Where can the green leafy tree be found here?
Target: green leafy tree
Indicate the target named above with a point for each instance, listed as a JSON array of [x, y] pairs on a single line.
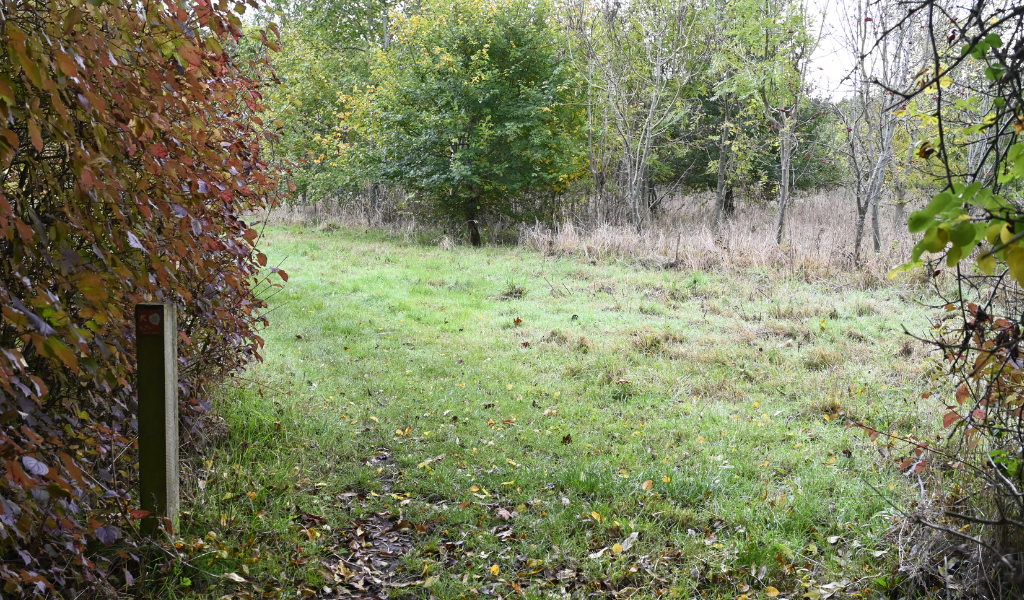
[[639, 60], [325, 52], [470, 108], [775, 45]]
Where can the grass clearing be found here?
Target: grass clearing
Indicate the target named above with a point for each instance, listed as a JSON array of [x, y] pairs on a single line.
[[471, 423]]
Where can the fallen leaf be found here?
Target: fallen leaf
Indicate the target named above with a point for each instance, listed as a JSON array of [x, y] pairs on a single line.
[[630, 540], [617, 549], [647, 485], [235, 577], [567, 439], [495, 570], [771, 592]]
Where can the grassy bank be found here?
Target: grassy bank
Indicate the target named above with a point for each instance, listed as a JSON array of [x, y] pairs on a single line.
[[471, 423]]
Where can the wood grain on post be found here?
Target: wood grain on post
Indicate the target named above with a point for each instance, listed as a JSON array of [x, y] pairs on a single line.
[[156, 353]]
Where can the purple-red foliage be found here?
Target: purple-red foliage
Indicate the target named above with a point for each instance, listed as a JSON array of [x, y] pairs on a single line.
[[129, 148]]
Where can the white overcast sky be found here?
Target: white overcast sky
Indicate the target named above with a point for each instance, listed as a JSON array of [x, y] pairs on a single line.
[[832, 62]]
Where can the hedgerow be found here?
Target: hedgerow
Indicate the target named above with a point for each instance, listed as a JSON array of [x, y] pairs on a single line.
[[129, 153]]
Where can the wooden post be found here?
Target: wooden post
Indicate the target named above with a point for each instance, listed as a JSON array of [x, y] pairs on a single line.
[[156, 352]]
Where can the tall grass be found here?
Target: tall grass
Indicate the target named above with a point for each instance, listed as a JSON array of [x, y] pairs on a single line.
[[819, 236]]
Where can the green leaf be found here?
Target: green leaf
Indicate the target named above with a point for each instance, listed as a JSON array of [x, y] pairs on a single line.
[[994, 73], [935, 239], [963, 234], [954, 255], [941, 202], [919, 221], [987, 264]]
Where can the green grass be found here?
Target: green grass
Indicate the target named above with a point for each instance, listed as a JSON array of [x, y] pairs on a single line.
[[407, 383]]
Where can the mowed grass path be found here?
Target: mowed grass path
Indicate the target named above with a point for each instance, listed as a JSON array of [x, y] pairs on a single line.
[[530, 413]]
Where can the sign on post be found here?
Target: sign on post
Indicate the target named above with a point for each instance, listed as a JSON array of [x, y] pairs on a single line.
[[156, 374]]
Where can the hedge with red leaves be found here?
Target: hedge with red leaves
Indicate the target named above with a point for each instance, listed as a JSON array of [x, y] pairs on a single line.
[[129, 146]]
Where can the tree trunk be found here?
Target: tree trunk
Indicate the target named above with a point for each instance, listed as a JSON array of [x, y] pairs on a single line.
[[876, 234], [474, 232], [899, 214], [862, 213], [720, 191], [650, 195], [877, 181], [901, 185], [473, 223], [876, 231], [785, 156]]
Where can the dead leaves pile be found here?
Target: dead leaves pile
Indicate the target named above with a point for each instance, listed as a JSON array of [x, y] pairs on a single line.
[[365, 563]]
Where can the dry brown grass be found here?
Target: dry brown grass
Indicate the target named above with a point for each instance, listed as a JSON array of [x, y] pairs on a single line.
[[819, 238]]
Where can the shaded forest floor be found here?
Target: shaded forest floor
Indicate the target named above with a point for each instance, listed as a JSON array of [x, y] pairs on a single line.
[[480, 423]]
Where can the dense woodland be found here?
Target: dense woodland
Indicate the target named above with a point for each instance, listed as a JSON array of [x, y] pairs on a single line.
[[141, 142]]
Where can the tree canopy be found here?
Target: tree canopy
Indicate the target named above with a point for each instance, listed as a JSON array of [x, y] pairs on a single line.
[[469, 108]]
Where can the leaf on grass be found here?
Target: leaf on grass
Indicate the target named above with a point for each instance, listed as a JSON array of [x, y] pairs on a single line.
[[567, 439], [647, 485], [630, 540], [235, 577], [771, 592], [617, 549], [495, 570], [139, 514]]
